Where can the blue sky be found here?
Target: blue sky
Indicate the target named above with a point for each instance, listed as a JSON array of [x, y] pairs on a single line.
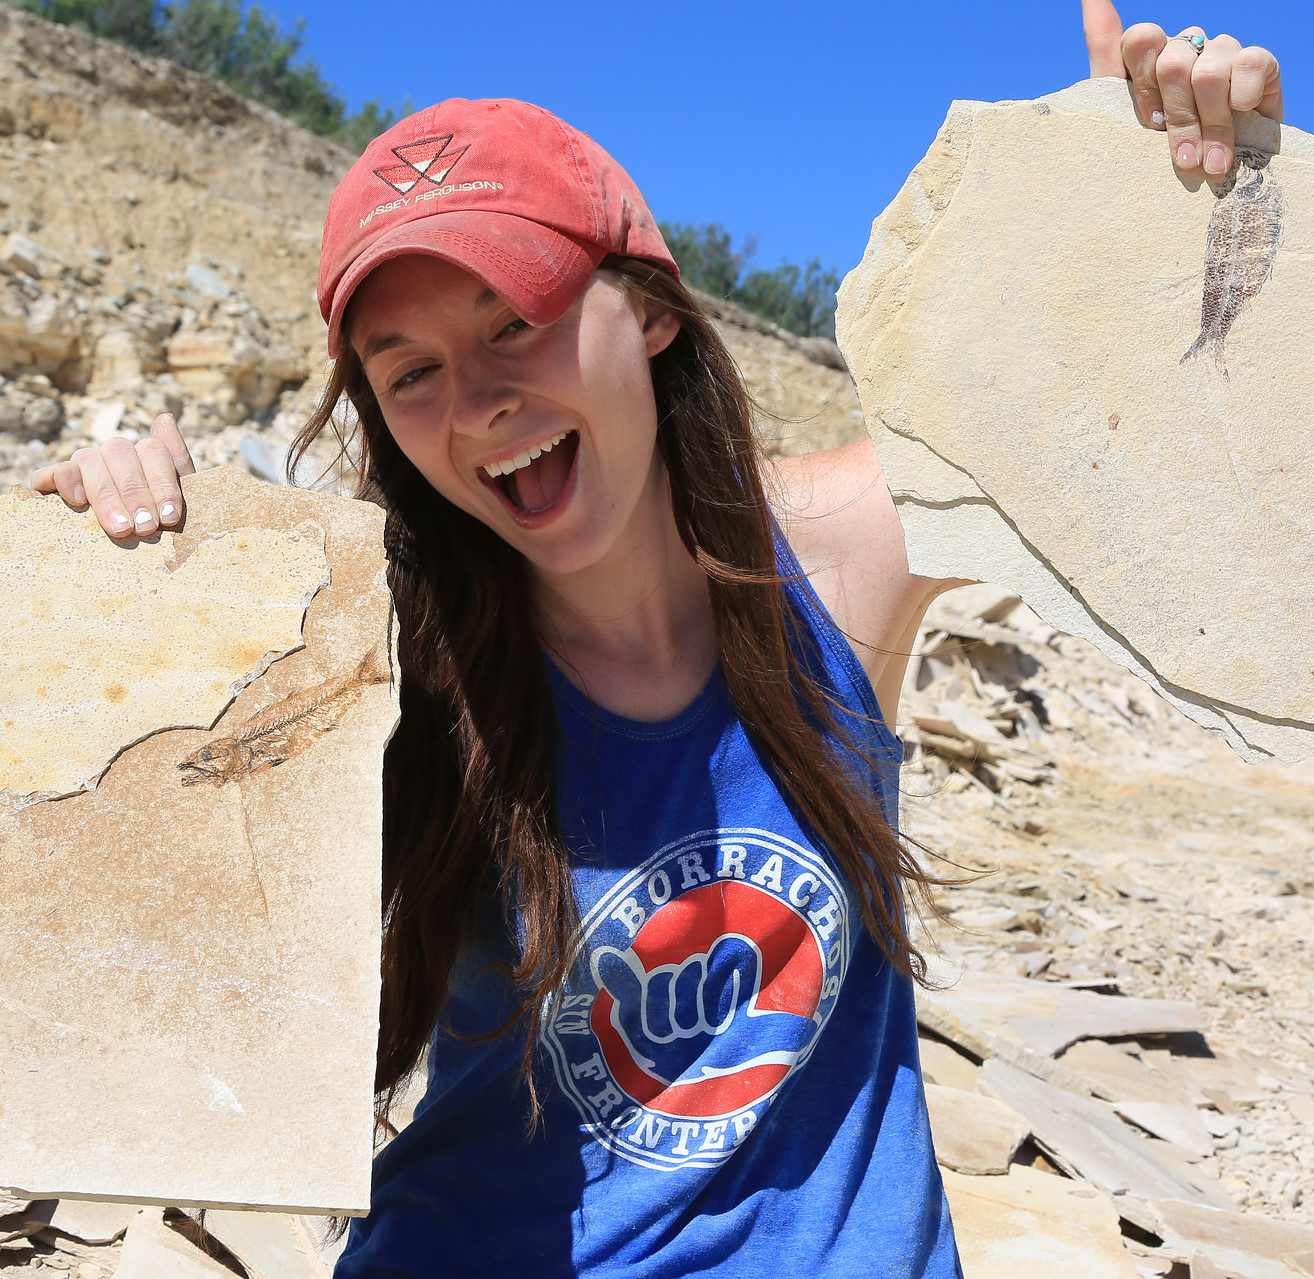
[[794, 123]]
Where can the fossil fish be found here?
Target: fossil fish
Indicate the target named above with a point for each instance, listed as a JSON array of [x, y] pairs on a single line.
[[284, 729], [1245, 228]]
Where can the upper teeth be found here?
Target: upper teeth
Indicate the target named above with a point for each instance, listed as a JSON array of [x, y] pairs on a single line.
[[523, 459]]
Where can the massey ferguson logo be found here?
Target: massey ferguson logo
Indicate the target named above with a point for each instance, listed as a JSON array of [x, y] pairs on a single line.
[[422, 176], [427, 160]]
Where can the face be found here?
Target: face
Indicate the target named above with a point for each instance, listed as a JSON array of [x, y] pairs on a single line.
[[547, 435]]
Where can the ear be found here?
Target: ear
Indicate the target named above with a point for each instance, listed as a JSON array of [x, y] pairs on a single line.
[[659, 328]]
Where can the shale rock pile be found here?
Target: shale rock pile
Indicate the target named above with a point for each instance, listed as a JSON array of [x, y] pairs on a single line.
[[1129, 976]]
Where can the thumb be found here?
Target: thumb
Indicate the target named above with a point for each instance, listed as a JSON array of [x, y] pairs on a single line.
[[1103, 38], [613, 970]]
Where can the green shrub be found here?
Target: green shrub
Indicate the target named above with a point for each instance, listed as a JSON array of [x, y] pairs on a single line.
[[801, 300]]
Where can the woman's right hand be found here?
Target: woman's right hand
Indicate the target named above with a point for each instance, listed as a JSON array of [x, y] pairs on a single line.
[[132, 487]]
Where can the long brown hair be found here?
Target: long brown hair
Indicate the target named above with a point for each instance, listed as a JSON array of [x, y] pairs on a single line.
[[470, 836]]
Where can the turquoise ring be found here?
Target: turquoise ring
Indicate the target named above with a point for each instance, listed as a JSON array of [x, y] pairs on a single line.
[[1197, 42]]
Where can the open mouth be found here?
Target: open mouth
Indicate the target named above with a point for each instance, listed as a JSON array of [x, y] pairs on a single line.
[[532, 481]]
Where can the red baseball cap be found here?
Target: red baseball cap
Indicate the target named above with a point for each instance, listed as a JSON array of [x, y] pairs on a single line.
[[501, 188]]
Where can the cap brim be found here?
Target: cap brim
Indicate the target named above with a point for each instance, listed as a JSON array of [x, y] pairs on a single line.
[[537, 270]]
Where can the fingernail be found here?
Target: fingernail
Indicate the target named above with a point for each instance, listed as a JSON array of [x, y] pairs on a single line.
[[79, 495], [168, 512], [1186, 156], [1157, 117], [144, 520], [119, 520], [1215, 161]]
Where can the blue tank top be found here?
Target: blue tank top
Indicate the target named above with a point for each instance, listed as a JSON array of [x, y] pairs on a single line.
[[729, 1079]]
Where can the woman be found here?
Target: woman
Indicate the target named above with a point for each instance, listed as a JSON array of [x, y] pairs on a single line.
[[641, 867]]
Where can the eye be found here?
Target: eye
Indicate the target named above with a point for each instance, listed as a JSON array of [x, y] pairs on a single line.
[[513, 327], [412, 377]]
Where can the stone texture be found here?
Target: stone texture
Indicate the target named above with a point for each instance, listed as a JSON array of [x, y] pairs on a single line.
[[1180, 1125], [189, 973], [1239, 1241], [946, 1066], [1122, 1076], [274, 1245], [107, 643], [1048, 1017], [152, 1250], [93, 1222], [972, 1133], [1034, 1223], [1049, 423], [1086, 1140]]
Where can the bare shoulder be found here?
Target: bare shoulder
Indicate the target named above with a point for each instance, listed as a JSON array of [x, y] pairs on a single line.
[[836, 510], [835, 501]]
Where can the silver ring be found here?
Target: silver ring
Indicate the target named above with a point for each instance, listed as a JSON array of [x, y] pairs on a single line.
[[1196, 41]]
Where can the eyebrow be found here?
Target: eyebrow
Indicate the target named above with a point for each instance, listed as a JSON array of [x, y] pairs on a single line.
[[386, 343]]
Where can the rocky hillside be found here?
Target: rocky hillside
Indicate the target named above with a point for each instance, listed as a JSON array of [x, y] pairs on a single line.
[[159, 239]]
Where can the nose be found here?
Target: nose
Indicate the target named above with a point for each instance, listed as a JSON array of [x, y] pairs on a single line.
[[482, 394]]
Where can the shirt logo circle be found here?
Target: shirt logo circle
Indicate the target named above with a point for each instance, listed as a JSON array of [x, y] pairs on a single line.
[[703, 980]]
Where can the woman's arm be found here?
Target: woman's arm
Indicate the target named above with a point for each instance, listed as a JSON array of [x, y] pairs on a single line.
[[836, 510]]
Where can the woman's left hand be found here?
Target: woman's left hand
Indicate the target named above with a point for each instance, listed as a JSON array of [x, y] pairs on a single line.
[[1191, 96]]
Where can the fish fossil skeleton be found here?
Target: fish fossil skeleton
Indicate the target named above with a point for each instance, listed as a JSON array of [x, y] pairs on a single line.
[[284, 729], [1245, 229]]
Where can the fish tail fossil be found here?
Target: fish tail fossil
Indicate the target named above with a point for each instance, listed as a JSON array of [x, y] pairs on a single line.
[[1199, 345], [285, 729]]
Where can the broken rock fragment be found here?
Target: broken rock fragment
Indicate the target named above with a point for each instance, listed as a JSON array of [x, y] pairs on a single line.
[[973, 1134], [189, 974], [1087, 1140], [1033, 1223], [1047, 1017], [1106, 407], [107, 643]]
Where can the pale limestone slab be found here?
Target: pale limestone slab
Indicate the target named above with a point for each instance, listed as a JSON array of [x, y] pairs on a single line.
[[152, 1250], [106, 643], [971, 1133], [946, 1066], [1048, 1017], [189, 974], [1242, 1244], [1048, 422], [1179, 1125], [93, 1222], [273, 1245], [1034, 1223], [1087, 1140], [1204, 1078], [1124, 1076]]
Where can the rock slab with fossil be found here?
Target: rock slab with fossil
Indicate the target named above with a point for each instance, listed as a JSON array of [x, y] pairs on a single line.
[[1091, 381], [189, 963]]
